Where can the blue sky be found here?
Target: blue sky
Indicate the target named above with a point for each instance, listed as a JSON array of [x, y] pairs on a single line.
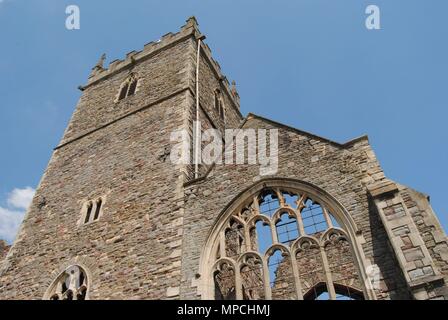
[[311, 64]]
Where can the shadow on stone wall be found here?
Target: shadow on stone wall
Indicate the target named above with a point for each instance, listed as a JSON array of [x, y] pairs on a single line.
[[393, 282]]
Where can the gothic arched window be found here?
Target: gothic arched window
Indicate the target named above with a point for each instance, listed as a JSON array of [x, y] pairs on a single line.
[[283, 243], [72, 284], [219, 105], [91, 211], [128, 87]]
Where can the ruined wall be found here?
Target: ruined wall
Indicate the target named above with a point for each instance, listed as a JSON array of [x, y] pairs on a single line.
[[119, 151], [155, 219], [132, 251], [341, 170], [418, 240], [114, 152]]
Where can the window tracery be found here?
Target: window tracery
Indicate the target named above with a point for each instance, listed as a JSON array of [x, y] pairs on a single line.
[[128, 87], [285, 244], [72, 284]]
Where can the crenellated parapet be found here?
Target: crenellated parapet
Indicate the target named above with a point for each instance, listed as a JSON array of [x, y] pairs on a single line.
[[190, 29]]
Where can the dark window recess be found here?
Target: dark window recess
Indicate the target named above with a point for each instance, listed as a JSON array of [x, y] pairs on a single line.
[[124, 91], [98, 208], [132, 87], [89, 212]]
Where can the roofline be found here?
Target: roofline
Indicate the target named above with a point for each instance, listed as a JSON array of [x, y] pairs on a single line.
[[314, 136]]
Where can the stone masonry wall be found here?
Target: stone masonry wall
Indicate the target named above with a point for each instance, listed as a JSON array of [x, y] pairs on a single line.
[[133, 251], [343, 171], [163, 74], [156, 218]]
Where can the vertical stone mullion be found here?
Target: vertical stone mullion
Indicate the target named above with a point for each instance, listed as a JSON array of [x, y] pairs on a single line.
[[256, 205], [327, 217], [92, 213], [296, 274], [266, 283], [274, 235], [299, 215], [300, 222], [281, 200], [247, 236], [238, 283], [222, 244]]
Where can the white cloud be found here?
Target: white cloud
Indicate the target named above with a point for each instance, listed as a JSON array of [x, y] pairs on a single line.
[[12, 216], [9, 223], [21, 198]]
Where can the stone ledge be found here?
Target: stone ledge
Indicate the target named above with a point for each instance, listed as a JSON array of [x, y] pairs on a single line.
[[424, 281], [382, 188]]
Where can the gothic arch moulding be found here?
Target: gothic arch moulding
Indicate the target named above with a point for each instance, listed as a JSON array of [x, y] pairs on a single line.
[[284, 239], [73, 277]]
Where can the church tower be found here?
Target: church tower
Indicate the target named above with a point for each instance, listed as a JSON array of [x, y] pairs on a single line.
[[114, 218]]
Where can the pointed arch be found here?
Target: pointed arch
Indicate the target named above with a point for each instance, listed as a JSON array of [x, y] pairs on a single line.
[[219, 104], [71, 284], [128, 87], [294, 190], [224, 277], [253, 274], [320, 292]]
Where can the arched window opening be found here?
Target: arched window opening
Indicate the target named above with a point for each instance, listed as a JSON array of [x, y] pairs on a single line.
[[124, 91], [341, 263], [89, 212], [284, 244], [132, 87], [268, 203], [261, 237], [313, 217], [317, 292], [98, 209], [347, 293], [129, 87], [219, 105], [310, 266], [281, 276], [320, 292], [323, 296], [224, 279], [222, 113], [291, 199], [217, 99], [287, 230], [72, 284], [252, 278], [234, 239]]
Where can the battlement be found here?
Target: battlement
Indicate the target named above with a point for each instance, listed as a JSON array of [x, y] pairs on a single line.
[[190, 29]]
